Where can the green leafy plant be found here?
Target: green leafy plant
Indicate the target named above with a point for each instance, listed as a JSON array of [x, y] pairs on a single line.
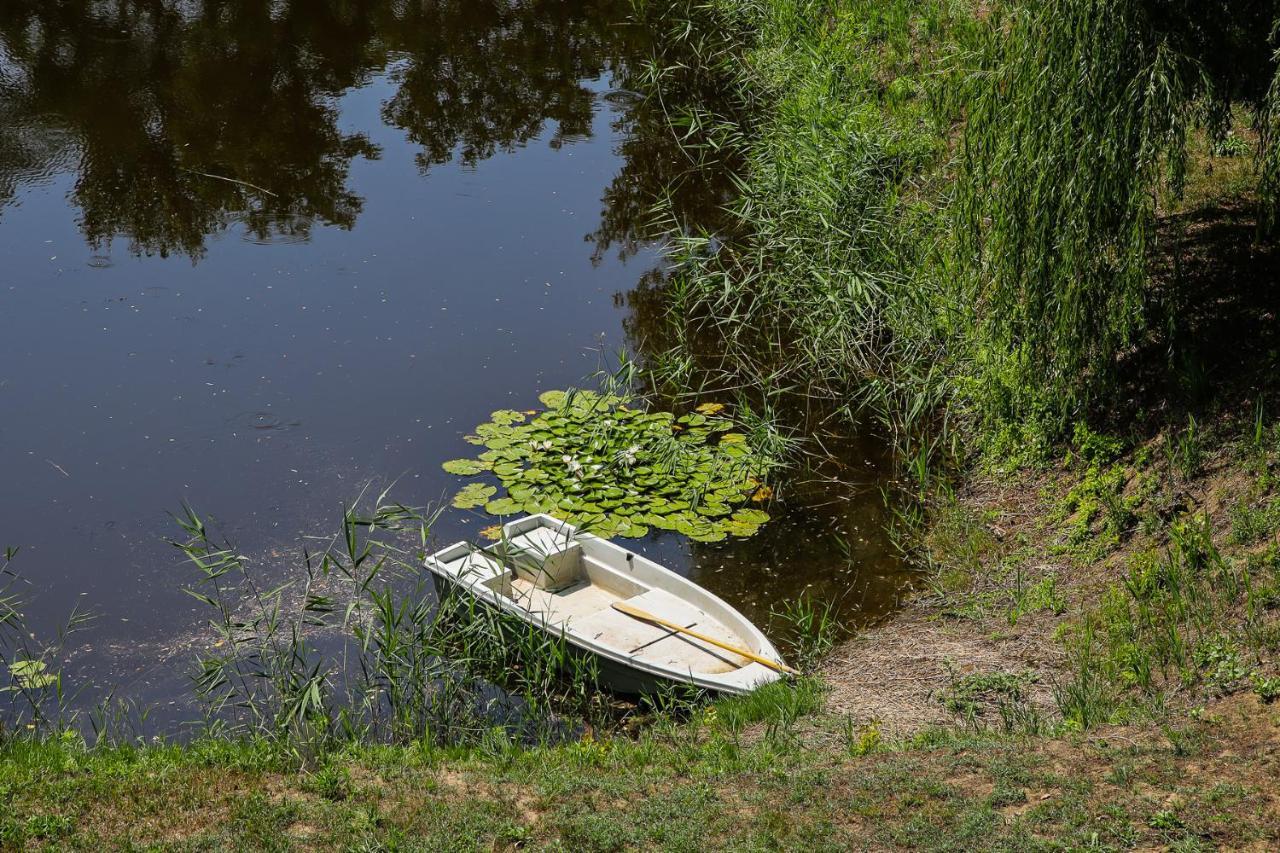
[[1218, 658], [600, 461], [1186, 452], [31, 674], [1267, 688], [1232, 146]]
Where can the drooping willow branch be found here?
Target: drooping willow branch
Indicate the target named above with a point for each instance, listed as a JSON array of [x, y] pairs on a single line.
[[1077, 127]]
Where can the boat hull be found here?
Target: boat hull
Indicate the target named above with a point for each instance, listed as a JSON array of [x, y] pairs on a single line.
[[612, 675], [572, 584]]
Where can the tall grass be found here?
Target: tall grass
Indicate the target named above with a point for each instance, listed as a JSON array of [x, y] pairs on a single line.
[[820, 285], [946, 210], [35, 698], [356, 646]]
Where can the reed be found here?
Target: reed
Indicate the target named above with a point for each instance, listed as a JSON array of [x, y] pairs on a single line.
[[356, 647], [35, 697], [811, 289]]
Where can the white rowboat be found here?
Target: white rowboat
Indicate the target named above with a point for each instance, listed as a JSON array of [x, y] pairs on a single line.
[[568, 582]]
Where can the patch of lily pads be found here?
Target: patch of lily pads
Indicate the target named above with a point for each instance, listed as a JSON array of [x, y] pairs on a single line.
[[600, 462]]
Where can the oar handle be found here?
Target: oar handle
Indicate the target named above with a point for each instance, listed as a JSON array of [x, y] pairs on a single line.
[[637, 613]]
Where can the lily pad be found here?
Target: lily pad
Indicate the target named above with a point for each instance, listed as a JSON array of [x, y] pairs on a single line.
[[473, 495], [502, 506], [465, 467], [602, 462], [552, 399], [751, 516], [506, 417], [31, 674]]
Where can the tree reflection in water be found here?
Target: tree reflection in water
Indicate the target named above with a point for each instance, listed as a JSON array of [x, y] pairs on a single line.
[[146, 101]]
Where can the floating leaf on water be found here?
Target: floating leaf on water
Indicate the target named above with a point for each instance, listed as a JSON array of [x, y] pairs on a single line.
[[506, 417], [552, 399], [31, 675], [751, 516], [540, 505], [502, 506], [493, 532], [465, 467], [593, 460], [473, 495]]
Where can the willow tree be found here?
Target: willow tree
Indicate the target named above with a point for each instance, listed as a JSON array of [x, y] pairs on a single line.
[[1077, 128]]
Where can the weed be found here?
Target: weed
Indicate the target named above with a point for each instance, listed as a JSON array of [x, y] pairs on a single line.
[[1166, 820], [1250, 522], [1185, 453], [972, 696], [38, 698], [1044, 594], [1218, 657], [1232, 146], [808, 628], [861, 739], [1267, 688], [333, 782]]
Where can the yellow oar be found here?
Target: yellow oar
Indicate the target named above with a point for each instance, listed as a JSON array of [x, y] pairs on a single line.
[[637, 613]]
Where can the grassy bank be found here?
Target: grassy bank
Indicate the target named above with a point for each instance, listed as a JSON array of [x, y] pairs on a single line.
[[714, 783]]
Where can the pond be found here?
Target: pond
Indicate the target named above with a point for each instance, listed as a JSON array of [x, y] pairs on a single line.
[[256, 255]]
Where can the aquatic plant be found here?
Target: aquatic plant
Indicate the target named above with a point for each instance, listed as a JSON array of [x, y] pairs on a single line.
[[34, 697], [355, 647], [602, 462]]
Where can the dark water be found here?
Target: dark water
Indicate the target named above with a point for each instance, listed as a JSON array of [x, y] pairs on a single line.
[[254, 255]]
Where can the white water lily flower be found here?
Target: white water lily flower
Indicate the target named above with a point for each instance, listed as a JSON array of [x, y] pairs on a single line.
[[628, 456]]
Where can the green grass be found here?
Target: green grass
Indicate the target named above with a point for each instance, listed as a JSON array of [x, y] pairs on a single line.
[[1191, 611], [814, 286], [685, 788]]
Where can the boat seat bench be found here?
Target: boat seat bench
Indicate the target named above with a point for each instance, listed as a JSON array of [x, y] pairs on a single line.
[[655, 644], [586, 609]]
